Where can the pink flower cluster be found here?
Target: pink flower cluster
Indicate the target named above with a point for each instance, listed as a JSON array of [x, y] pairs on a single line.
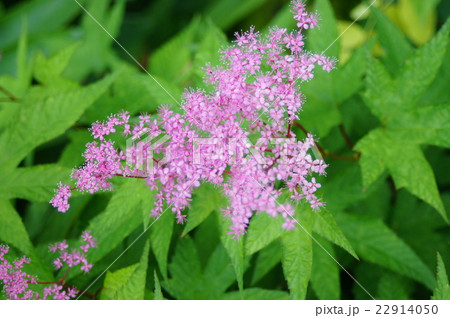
[[255, 95], [76, 257], [17, 283]]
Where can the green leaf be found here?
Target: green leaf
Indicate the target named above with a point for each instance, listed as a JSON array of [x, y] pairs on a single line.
[[326, 226], [393, 286], [158, 292], [267, 259], [325, 279], [297, 256], [35, 183], [262, 231], [394, 42], [406, 125], [319, 39], [186, 280], [127, 283], [12, 230], [48, 70], [38, 14], [258, 294], [376, 243], [442, 289], [120, 218], [59, 110], [405, 161], [421, 68], [172, 61], [218, 271], [347, 80], [235, 10], [235, 250], [160, 236], [207, 198]]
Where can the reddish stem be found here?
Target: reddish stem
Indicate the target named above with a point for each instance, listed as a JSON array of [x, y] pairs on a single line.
[[323, 152]]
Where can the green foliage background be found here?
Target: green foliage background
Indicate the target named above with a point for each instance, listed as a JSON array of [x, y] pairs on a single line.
[[386, 218]]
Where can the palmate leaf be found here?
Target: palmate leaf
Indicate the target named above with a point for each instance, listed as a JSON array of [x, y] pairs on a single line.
[[396, 146], [58, 108], [127, 283]]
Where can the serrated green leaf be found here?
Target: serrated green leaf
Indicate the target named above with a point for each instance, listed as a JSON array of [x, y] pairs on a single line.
[[384, 149], [442, 289], [127, 283], [207, 198], [426, 125], [121, 216], [297, 256], [376, 243], [235, 250], [325, 280], [35, 183], [186, 280], [262, 231], [394, 42], [326, 226], [59, 110], [160, 236], [48, 70], [421, 68]]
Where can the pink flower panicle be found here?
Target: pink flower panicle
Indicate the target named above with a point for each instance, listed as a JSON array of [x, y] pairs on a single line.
[[256, 83], [75, 257], [60, 200], [17, 283]]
